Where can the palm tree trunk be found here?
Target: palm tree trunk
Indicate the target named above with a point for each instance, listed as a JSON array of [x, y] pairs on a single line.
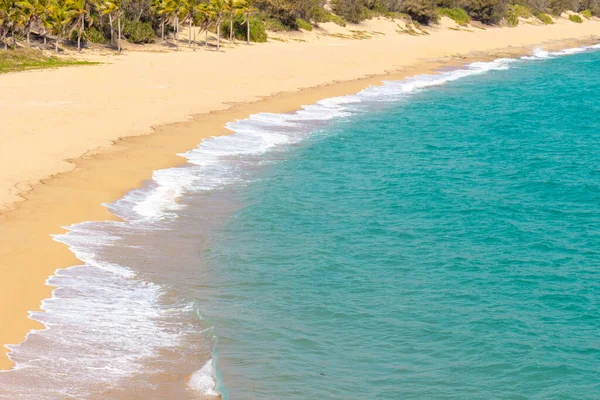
[[28, 32], [190, 31], [177, 31], [218, 34], [56, 43], [119, 25], [79, 33], [112, 31], [162, 30], [44, 37], [231, 27], [206, 35], [248, 28]]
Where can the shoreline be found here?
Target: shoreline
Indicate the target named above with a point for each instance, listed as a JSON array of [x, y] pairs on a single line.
[[67, 198]]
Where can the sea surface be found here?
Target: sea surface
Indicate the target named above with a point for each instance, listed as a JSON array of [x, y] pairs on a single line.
[[431, 238]]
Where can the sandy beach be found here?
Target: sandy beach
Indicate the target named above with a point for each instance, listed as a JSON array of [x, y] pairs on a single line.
[[75, 138]]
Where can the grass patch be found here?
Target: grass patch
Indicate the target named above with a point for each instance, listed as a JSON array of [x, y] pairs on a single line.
[[458, 15], [304, 25], [545, 18], [27, 59], [575, 18], [587, 13]]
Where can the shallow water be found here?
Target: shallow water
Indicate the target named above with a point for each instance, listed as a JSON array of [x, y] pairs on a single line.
[[431, 238]]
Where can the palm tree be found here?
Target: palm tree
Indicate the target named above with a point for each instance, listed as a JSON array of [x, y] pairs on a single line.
[[156, 8], [218, 9], [29, 14], [206, 15], [247, 8], [79, 12], [5, 20], [113, 8], [59, 18], [172, 8], [188, 11], [231, 8]]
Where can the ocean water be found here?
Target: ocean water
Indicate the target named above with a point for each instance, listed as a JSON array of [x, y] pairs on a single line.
[[432, 238]]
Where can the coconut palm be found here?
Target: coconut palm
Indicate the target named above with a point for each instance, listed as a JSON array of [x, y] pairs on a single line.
[[59, 18], [5, 20], [246, 7], [218, 10], [188, 11], [112, 8], [28, 14], [171, 9], [156, 9], [206, 16], [79, 11], [231, 7]]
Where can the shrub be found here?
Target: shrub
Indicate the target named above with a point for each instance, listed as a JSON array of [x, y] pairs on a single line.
[[322, 15], [575, 18], [587, 13], [350, 10], [421, 11], [94, 35], [545, 18], [302, 24], [240, 30], [275, 25], [139, 32], [459, 15], [514, 12], [486, 11]]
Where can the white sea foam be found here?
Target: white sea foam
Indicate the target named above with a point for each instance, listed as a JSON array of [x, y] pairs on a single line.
[[104, 319], [203, 381], [540, 54]]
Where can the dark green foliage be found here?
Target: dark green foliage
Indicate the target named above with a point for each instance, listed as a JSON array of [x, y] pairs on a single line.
[[257, 30], [350, 10], [275, 25], [94, 35], [422, 11], [459, 15], [139, 32], [486, 11]]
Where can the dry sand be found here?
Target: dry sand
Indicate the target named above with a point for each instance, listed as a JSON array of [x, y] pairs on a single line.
[[61, 130]]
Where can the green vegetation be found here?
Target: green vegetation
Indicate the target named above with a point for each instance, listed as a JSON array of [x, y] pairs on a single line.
[[257, 30], [514, 12], [144, 21], [545, 18], [139, 32], [26, 59], [275, 25], [302, 24], [575, 18], [459, 15], [94, 35]]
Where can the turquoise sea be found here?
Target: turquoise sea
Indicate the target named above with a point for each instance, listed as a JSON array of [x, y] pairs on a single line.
[[432, 238], [446, 245]]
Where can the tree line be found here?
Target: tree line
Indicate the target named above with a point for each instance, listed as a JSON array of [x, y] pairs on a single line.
[[75, 19], [143, 21]]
